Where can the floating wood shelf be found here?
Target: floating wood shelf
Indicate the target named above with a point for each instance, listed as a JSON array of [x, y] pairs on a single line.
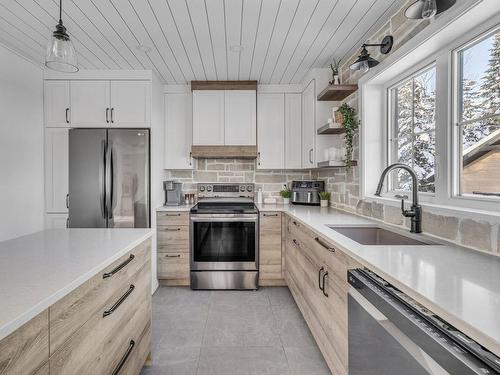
[[337, 92], [335, 163], [331, 129]]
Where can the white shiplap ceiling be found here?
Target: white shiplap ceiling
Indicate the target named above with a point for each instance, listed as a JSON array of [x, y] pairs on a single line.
[[279, 40]]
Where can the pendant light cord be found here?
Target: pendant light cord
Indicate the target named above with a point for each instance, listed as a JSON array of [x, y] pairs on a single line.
[[60, 11]]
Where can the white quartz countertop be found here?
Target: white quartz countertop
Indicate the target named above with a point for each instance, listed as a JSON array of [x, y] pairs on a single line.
[[39, 269], [181, 208], [460, 285]]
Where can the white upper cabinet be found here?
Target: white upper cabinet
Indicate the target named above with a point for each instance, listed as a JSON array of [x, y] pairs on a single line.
[[308, 125], [271, 131], [178, 131], [293, 131], [130, 104], [90, 104], [240, 117], [56, 105], [56, 169], [208, 117]]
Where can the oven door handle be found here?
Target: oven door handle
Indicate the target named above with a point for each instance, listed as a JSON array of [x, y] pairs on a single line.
[[222, 219]]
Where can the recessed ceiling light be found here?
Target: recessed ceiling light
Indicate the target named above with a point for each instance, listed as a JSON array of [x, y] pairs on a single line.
[[236, 48], [143, 48]]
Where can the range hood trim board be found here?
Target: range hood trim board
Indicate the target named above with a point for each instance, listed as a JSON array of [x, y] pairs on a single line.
[[224, 152]]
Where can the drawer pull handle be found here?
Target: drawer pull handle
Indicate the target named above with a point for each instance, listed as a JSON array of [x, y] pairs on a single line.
[[172, 229], [173, 256], [124, 358], [319, 277], [296, 243], [119, 267], [269, 215], [326, 246], [119, 302], [172, 214], [295, 223], [323, 289]]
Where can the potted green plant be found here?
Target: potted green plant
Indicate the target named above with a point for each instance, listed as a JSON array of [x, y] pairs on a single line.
[[350, 125], [286, 193], [324, 197]]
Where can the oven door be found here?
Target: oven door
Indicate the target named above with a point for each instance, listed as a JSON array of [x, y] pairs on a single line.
[[224, 242]]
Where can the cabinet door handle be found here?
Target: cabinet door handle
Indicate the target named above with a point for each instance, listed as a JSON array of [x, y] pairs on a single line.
[[258, 158], [319, 277], [326, 246], [172, 229], [118, 267], [67, 200], [118, 368], [323, 289], [107, 115], [172, 256], [67, 117], [190, 159], [269, 215], [112, 115], [119, 302], [311, 156], [67, 222]]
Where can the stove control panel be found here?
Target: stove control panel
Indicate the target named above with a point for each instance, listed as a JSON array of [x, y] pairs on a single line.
[[223, 190]]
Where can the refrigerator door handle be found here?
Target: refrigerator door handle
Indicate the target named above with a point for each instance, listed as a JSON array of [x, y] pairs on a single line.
[[109, 182], [102, 180]]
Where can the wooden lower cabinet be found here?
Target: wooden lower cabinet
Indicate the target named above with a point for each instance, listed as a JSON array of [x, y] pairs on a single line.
[[26, 349], [270, 257], [91, 330], [313, 264], [173, 248]]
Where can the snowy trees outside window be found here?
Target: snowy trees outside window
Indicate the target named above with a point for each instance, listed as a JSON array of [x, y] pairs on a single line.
[[478, 97], [413, 139]]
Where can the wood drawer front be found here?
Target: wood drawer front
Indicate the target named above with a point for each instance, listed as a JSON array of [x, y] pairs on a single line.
[[270, 257], [90, 350], [172, 218], [337, 260], [71, 312], [27, 348], [173, 238], [173, 266]]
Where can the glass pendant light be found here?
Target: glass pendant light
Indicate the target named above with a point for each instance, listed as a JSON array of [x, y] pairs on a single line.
[[429, 9], [61, 54]]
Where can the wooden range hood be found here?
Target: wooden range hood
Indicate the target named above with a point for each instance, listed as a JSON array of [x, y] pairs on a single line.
[[224, 151]]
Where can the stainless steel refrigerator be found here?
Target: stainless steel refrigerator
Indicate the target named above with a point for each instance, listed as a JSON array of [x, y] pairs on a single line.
[[109, 178]]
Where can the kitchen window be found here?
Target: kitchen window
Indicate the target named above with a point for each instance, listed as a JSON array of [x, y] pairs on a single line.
[[412, 133], [477, 118]]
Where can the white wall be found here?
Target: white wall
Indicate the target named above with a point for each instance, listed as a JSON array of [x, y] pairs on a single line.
[[21, 146]]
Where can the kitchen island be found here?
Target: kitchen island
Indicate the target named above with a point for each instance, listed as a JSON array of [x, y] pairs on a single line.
[[64, 286]]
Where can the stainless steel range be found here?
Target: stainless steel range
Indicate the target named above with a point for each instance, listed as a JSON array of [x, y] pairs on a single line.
[[224, 237]]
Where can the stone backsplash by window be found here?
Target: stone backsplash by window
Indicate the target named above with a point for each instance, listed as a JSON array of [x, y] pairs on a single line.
[[239, 170]]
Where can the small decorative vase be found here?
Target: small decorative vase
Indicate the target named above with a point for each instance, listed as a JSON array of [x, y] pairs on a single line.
[[286, 200], [336, 80], [323, 203]]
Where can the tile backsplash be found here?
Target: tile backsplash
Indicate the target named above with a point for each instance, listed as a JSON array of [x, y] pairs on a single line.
[[239, 170]]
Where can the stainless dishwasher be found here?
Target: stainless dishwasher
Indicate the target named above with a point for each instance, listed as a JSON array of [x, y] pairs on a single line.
[[390, 333]]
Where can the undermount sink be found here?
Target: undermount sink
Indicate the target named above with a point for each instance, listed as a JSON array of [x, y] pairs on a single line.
[[374, 235]]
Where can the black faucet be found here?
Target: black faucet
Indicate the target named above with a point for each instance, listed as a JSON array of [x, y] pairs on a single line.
[[416, 210]]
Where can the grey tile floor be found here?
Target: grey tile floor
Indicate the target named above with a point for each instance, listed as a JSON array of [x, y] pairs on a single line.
[[231, 332]]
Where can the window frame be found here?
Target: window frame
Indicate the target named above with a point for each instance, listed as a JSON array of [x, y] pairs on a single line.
[[455, 70], [427, 47], [391, 124]]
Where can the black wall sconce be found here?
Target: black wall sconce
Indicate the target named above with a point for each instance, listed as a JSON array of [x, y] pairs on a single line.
[[365, 61], [422, 9]]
